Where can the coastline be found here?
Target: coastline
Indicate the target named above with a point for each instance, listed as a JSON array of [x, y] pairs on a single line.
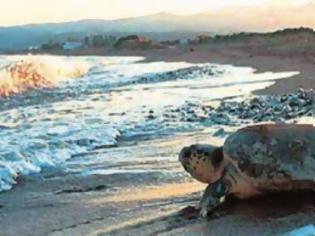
[[232, 54], [241, 57], [69, 204], [55, 204]]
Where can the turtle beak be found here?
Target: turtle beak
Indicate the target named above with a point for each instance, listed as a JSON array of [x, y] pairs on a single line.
[[184, 156]]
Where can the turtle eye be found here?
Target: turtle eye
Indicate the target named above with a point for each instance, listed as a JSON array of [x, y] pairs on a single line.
[[185, 154]]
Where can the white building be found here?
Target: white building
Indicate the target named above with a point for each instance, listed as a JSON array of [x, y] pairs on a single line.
[[183, 43], [33, 48], [71, 45]]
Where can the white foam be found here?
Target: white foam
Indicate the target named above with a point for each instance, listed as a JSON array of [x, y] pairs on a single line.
[[20, 74], [104, 106]]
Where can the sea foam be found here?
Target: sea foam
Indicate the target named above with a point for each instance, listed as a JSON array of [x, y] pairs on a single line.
[[31, 72], [115, 100]]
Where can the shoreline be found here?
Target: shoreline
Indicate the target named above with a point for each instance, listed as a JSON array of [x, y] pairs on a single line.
[[98, 205], [61, 203], [241, 58], [232, 55]]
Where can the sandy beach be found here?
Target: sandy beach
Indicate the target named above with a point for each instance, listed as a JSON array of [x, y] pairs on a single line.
[[57, 204], [240, 55], [157, 118], [62, 203]]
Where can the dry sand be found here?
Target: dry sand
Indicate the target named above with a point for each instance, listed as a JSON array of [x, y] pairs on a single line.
[[240, 56]]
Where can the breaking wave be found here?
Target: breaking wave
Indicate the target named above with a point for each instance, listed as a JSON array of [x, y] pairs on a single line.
[[31, 73], [115, 101]]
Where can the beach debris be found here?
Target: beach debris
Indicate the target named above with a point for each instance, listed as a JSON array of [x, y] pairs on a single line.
[[77, 189], [151, 117], [183, 73], [219, 133], [278, 109]]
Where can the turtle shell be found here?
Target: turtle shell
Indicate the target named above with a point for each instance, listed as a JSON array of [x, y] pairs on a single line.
[[272, 150]]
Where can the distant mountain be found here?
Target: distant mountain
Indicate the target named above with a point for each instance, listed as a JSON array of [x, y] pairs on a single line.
[[163, 25]]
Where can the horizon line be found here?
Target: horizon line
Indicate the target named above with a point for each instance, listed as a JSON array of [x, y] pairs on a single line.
[[103, 19]]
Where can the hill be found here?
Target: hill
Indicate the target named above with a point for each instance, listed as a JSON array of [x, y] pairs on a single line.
[[164, 26]]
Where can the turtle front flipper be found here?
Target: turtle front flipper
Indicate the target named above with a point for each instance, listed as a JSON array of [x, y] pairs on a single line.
[[216, 192], [214, 196]]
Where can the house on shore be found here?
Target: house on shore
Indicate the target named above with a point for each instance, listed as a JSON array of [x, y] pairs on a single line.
[[136, 42], [72, 45]]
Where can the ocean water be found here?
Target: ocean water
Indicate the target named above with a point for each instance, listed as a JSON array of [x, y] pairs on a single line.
[[308, 230], [55, 108]]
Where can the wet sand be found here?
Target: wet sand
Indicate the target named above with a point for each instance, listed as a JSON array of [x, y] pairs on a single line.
[[71, 204], [36, 209], [56, 203]]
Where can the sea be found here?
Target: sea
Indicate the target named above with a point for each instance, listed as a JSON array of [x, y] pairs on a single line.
[[57, 113]]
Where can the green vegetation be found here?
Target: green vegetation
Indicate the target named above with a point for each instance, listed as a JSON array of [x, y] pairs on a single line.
[[51, 45], [100, 40], [280, 38], [103, 41], [133, 42], [278, 33]]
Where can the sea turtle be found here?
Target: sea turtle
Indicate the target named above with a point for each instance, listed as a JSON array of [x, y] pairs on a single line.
[[254, 160]]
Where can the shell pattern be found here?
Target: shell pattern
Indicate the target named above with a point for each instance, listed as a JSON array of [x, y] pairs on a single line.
[[270, 151]]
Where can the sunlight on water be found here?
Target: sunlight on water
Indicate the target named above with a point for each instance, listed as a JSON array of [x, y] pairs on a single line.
[[31, 72], [112, 99]]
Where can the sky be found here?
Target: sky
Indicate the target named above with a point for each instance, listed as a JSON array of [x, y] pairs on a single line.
[[17, 12]]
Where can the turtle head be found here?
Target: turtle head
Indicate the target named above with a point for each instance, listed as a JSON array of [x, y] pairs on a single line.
[[202, 161]]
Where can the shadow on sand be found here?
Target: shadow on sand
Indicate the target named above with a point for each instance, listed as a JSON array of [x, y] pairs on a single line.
[[269, 215]]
